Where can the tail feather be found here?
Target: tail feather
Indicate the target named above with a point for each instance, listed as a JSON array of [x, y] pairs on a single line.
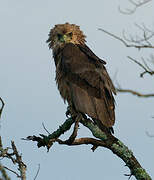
[[102, 127]]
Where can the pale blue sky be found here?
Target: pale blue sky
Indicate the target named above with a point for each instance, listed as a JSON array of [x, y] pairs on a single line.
[[31, 97]]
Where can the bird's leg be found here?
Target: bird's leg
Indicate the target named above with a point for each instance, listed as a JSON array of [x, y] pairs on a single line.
[[68, 113], [77, 117], [75, 130], [71, 111]]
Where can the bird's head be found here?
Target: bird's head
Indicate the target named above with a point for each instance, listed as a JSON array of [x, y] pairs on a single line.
[[62, 34]]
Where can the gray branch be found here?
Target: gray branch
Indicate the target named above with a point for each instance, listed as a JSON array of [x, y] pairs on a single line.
[[133, 43], [104, 139], [136, 5]]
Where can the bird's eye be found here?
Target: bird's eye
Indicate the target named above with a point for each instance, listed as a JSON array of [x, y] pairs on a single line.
[[59, 36], [70, 34]]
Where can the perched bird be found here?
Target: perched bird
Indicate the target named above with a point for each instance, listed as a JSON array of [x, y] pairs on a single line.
[[81, 76]]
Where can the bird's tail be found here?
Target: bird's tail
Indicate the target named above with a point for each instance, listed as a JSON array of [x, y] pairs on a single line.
[[102, 127]]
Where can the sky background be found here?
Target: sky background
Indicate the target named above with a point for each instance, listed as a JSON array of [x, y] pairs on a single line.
[[27, 86]]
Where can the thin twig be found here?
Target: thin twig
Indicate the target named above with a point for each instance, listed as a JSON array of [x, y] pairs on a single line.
[[4, 173], [144, 39], [124, 41], [148, 134], [38, 170], [45, 128], [15, 158], [12, 171], [134, 92], [1, 109], [104, 139], [135, 4], [145, 66], [21, 165], [47, 140]]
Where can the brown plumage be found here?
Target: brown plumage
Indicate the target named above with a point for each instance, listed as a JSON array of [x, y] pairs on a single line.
[[81, 76]]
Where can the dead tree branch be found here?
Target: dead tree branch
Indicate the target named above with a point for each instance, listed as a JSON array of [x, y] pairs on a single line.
[[37, 172], [15, 158], [144, 66], [149, 135], [4, 173], [44, 140], [134, 92], [12, 171], [18, 159], [1, 109], [136, 5], [104, 139], [121, 90], [138, 42]]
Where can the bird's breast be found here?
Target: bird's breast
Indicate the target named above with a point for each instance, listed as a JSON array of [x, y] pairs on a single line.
[[63, 84]]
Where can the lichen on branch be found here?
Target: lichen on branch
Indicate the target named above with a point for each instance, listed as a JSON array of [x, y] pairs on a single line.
[[103, 139]]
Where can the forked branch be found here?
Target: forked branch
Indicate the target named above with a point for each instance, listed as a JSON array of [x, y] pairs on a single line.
[[134, 93], [104, 139], [144, 66], [15, 158], [136, 5], [135, 42]]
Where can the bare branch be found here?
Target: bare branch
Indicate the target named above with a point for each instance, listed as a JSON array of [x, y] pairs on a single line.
[[138, 43], [45, 128], [12, 171], [3, 172], [149, 135], [15, 158], [1, 109], [21, 165], [144, 39], [134, 93], [104, 139], [116, 37], [94, 142], [146, 68], [135, 6], [42, 141], [37, 172]]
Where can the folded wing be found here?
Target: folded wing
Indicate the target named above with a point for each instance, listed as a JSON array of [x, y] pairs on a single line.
[[90, 85]]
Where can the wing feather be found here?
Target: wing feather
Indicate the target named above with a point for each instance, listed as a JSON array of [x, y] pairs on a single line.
[[90, 54], [90, 84]]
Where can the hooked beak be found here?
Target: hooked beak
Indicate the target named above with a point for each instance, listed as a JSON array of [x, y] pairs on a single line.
[[64, 38]]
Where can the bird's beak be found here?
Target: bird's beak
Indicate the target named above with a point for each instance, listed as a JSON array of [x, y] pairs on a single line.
[[64, 38]]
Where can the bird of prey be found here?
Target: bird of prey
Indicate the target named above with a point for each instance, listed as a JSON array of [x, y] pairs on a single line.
[[81, 76]]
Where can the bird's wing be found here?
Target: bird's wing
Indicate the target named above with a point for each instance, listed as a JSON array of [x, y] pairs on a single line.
[[90, 84], [84, 48]]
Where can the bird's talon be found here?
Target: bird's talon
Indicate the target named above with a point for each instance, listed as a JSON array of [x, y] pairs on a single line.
[[68, 113]]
